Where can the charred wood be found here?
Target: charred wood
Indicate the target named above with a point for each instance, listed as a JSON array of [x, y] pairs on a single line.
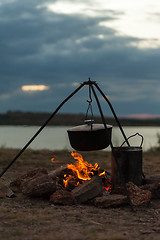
[[59, 172], [88, 190]]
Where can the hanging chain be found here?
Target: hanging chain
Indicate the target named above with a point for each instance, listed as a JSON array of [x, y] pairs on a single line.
[[89, 108]]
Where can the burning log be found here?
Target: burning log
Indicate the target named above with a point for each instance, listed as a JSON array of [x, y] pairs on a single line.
[[73, 175], [59, 172], [65, 178], [88, 190]]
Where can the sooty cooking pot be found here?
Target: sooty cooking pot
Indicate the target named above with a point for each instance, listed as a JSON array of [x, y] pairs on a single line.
[[90, 137]]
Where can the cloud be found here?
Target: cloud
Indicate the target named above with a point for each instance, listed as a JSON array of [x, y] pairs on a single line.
[[52, 48], [34, 88], [133, 91]]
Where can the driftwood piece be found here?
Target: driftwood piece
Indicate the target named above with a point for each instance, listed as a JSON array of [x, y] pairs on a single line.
[[38, 186], [62, 197], [111, 200], [88, 190]]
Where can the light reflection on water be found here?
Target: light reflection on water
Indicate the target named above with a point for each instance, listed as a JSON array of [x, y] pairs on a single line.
[[56, 138]]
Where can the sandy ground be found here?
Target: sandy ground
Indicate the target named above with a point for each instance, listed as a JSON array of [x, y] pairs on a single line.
[[37, 219]]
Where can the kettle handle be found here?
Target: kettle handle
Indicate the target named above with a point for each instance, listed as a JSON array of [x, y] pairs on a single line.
[[134, 136]]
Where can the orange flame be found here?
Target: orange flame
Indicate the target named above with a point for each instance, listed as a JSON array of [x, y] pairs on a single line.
[[102, 174], [82, 169]]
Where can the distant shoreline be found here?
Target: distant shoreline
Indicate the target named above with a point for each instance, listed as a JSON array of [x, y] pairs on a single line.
[[67, 119]]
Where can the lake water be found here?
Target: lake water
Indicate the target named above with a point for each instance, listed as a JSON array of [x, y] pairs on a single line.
[[56, 138]]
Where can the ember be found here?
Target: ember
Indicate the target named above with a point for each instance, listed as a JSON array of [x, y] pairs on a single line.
[[53, 160], [82, 171]]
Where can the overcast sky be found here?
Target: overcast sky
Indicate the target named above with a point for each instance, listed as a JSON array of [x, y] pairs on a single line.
[[60, 44]]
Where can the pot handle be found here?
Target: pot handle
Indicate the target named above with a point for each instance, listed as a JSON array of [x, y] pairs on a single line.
[[134, 136]]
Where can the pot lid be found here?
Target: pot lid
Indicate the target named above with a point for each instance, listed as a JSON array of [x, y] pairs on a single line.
[[85, 127]]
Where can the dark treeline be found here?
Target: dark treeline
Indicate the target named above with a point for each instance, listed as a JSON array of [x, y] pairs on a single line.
[[39, 118]]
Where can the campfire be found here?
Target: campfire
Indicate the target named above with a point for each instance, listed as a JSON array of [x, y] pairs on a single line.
[[82, 171], [83, 182]]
